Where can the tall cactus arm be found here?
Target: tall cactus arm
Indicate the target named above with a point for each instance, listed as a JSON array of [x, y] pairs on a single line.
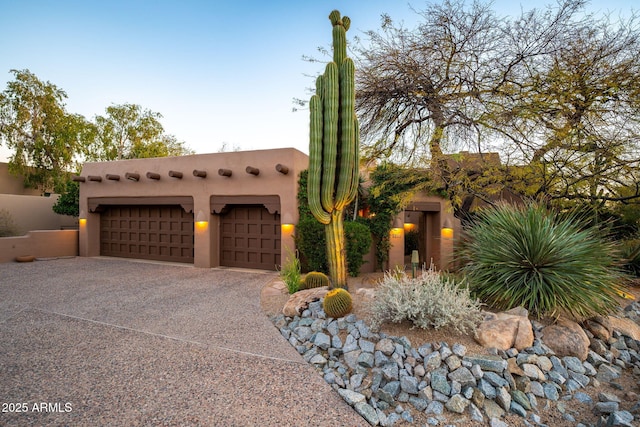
[[348, 142], [355, 181], [315, 161], [330, 112]]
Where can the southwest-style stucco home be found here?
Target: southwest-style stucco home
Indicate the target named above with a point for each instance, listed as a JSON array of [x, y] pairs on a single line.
[[236, 209]]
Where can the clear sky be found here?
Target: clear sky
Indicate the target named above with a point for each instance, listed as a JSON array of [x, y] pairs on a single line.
[[219, 71]]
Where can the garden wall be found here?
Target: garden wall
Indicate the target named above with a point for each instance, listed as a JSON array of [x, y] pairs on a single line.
[[40, 244], [27, 213]]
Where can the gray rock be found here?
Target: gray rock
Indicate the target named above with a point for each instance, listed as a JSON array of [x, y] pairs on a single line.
[[386, 346], [351, 358], [367, 412], [393, 388], [503, 398], [487, 389], [537, 389], [351, 397], [336, 342], [366, 360], [583, 398], [366, 346], [497, 422], [409, 384], [463, 376], [605, 407], [492, 409], [439, 382], [487, 362], [332, 328], [318, 359], [350, 344], [390, 371], [521, 398], [607, 373], [495, 379], [608, 397], [582, 379], [620, 418], [457, 403], [459, 350], [434, 407], [303, 333], [419, 403], [475, 413], [574, 364], [517, 409], [322, 340], [551, 391], [432, 361]]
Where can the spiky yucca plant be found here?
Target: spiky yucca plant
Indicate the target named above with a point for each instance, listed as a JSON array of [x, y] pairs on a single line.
[[547, 262]]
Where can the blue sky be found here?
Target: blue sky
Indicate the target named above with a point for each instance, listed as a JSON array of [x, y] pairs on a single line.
[[219, 71]]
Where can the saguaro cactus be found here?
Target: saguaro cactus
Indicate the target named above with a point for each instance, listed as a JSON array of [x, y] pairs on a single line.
[[334, 149]]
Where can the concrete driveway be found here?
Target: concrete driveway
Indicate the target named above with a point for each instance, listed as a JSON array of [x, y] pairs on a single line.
[[99, 341]]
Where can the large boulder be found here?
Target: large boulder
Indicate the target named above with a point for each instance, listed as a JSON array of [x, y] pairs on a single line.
[[300, 301], [509, 329], [566, 338], [625, 326]]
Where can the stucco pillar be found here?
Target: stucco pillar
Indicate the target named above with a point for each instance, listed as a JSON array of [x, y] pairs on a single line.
[[396, 238], [202, 234]]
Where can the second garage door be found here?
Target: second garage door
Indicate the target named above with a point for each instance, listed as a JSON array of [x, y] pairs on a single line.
[[250, 237], [163, 232]]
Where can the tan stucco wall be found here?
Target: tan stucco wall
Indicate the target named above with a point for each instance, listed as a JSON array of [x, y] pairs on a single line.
[[439, 248], [241, 183], [34, 213], [40, 244], [11, 184]]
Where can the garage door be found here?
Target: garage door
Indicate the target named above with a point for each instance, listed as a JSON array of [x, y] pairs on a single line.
[[163, 233], [250, 237]]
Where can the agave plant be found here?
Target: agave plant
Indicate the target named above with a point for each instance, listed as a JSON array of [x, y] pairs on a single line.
[[547, 262]]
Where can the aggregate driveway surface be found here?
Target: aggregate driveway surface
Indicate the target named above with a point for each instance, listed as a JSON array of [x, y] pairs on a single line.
[[101, 341]]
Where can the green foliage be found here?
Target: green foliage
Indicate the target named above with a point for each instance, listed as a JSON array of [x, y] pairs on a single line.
[[630, 254], [337, 303], [69, 201], [310, 241], [428, 301], [7, 226], [392, 187], [290, 273], [547, 262], [43, 136], [316, 279], [359, 242], [334, 148]]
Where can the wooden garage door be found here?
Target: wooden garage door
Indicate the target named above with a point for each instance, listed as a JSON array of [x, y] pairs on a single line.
[[250, 237], [163, 233]]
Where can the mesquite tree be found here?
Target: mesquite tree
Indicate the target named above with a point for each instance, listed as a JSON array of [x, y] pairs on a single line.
[[334, 149]]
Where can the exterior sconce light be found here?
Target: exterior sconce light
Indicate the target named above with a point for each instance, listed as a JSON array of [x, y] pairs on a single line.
[[408, 226], [201, 220], [132, 176], [288, 228], [396, 228], [82, 218], [447, 229]]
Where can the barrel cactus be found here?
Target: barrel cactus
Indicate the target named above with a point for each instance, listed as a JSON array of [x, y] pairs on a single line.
[[337, 303], [315, 279], [334, 149]]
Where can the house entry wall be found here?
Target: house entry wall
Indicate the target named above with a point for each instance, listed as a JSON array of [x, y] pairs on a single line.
[[156, 232]]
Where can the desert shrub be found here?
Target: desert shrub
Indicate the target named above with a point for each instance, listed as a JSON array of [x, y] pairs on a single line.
[[290, 273], [428, 301], [7, 226], [547, 262]]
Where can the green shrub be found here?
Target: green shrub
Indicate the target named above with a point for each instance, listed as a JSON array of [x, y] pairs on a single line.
[[290, 273], [630, 253], [358, 238], [428, 301], [544, 261], [310, 240]]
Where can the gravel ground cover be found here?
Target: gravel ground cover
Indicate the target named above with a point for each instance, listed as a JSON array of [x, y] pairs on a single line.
[[95, 341]]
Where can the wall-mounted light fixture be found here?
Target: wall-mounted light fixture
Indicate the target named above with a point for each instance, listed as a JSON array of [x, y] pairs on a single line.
[[287, 228], [447, 229], [82, 218], [201, 220]]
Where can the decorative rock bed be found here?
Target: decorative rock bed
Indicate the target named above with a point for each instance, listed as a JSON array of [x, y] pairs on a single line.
[[386, 380]]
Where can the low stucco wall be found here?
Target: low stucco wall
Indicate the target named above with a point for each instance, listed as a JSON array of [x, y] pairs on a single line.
[[34, 213], [40, 244]]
